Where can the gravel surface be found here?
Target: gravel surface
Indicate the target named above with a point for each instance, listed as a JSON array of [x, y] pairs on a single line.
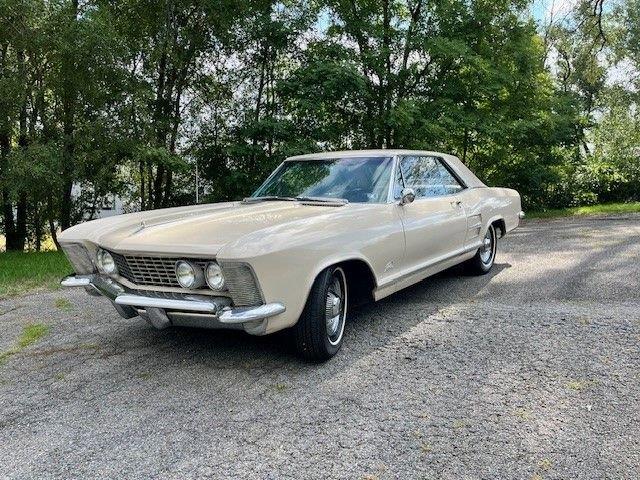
[[531, 372]]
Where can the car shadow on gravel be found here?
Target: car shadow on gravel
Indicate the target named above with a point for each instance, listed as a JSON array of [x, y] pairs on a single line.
[[370, 327], [404, 309]]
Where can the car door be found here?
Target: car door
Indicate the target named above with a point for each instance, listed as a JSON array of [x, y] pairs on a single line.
[[435, 223]]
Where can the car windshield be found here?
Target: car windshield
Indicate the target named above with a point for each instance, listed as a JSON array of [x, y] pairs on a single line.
[[358, 180]]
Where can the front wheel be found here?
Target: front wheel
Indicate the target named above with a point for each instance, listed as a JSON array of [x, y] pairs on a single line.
[[318, 333], [484, 258]]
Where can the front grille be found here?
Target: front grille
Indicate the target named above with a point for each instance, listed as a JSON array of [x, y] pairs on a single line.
[[242, 284], [169, 295], [160, 271], [156, 271]]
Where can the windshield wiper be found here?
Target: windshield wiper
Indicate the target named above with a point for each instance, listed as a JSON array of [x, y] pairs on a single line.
[[273, 198], [341, 201], [268, 198]]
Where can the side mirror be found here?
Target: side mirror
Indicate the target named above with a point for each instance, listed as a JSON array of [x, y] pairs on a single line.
[[408, 195]]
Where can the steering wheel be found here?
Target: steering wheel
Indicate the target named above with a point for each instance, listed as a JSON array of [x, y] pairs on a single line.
[[357, 195]]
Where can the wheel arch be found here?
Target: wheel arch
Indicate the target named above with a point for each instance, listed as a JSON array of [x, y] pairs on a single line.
[[499, 224], [361, 279]]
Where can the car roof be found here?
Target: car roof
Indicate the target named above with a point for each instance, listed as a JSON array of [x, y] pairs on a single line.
[[364, 153]]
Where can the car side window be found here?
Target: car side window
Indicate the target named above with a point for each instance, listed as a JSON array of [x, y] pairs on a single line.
[[428, 177]]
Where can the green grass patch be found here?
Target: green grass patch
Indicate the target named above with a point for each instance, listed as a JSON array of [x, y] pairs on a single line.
[[30, 335], [63, 304], [604, 208], [25, 272]]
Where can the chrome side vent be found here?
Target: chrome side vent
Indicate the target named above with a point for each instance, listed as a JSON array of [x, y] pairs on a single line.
[[79, 258], [242, 284]]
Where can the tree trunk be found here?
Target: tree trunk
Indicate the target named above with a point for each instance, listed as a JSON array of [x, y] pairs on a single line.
[[150, 193], [68, 128], [21, 222], [23, 140], [5, 146], [142, 199], [387, 84], [37, 229], [167, 189], [52, 225], [9, 222], [7, 206], [465, 145], [157, 186]]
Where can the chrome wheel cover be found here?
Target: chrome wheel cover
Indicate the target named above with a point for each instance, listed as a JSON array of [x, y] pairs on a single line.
[[488, 248], [336, 306]]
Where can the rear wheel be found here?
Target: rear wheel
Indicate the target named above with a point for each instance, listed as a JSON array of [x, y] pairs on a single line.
[[484, 258], [318, 333]]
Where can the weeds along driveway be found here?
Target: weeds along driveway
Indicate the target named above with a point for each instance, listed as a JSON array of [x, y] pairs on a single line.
[[530, 372]]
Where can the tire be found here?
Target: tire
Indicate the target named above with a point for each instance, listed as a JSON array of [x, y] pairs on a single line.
[[319, 331], [485, 257]]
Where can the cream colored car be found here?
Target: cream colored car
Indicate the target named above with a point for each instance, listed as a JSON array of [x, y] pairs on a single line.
[[323, 233]]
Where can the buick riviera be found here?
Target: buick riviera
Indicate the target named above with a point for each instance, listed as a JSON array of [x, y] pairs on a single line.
[[323, 233]]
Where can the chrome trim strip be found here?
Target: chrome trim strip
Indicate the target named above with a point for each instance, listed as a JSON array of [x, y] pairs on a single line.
[[432, 263], [192, 305], [218, 309], [249, 314], [273, 174], [392, 179], [106, 286]]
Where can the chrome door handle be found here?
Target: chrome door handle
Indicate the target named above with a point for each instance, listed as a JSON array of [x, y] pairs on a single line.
[[456, 203]]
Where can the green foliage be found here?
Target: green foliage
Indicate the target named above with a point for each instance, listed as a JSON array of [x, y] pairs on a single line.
[[101, 98], [614, 169], [604, 208]]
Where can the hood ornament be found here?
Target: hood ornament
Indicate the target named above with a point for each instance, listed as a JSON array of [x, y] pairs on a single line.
[[141, 227]]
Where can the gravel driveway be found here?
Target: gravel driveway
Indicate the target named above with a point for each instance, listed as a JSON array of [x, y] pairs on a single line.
[[531, 372]]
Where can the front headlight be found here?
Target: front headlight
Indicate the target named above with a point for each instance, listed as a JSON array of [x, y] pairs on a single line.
[[106, 263], [189, 275], [214, 276]]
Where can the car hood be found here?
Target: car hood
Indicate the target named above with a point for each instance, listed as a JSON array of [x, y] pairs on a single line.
[[196, 230]]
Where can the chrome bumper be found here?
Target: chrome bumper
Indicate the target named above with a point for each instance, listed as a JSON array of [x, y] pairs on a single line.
[[161, 310]]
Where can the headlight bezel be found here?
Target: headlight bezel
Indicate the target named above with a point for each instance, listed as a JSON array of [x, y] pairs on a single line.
[[210, 283], [109, 267], [197, 275], [80, 258]]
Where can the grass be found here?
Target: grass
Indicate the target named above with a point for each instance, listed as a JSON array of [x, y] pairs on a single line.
[[579, 385], [63, 304], [30, 335], [24, 272], [603, 208]]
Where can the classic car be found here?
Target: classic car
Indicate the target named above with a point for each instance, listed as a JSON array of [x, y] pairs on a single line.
[[323, 233]]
